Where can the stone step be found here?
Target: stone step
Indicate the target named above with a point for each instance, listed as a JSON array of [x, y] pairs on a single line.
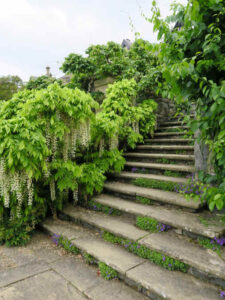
[[164, 147], [161, 155], [155, 281], [131, 175], [169, 133], [172, 127], [168, 243], [165, 197], [170, 167], [172, 140], [188, 222], [170, 123]]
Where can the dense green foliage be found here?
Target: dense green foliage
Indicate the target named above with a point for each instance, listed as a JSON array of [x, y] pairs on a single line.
[[193, 71], [54, 147], [111, 60], [144, 252], [9, 85], [41, 82]]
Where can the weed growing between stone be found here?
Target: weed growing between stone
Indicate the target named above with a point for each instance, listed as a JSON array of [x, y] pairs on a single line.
[[65, 243], [160, 259], [165, 161], [173, 174], [89, 259], [215, 244], [155, 184], [107, 272], [103, 208], [150, 224], [143, 200]]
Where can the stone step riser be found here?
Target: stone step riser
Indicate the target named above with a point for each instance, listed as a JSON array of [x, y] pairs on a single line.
[[173, 142], [162, 197], [164, 151], [157, 171], [193, 270], [176, 219], [159, 160]]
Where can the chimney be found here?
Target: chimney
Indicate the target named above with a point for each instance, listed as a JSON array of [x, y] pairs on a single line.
[[48, 71]]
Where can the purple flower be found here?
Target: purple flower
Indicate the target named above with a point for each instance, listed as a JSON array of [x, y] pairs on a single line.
[[222, 294], [164, 258], [134, 170], [169, 265]]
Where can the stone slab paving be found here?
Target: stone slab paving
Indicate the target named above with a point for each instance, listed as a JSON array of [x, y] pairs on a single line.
[[43, 271], [164, 147], [174, 217], [131, 175], [153, 194]]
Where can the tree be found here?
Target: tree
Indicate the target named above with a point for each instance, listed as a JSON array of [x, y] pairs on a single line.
[[41, 82], [9, 85]]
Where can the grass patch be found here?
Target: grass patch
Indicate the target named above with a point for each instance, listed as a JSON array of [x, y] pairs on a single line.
[[144, 200], [107, 272], [155, 184], [156, 257], [103, 208]]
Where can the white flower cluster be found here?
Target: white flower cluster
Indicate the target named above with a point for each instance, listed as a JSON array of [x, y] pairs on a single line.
[[84, 133], [19, 184]]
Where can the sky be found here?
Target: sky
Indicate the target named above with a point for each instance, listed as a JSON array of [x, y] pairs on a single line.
[[37, 33]]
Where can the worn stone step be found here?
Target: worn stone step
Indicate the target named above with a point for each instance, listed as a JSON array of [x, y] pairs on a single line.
[[188, 222], [161, 155], [170, 123], [208, 263], [172, 127], [166, 197], [168, 243], [112, 255], [164, 147], [157, 282], [117, 225], [163, 284], [131, 175], [169, 133], [170, 167], [172, 140]]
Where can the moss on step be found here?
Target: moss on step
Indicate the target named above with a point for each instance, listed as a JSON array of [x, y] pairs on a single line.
[[155, 184], [156, 257], [103, 208], [173, 174], [165, 161], [143, 200]]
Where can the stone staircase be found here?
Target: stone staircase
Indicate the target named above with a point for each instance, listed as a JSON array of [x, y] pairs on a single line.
[[168, 157]]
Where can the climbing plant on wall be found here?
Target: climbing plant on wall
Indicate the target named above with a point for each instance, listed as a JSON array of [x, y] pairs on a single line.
[[192, 60]]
